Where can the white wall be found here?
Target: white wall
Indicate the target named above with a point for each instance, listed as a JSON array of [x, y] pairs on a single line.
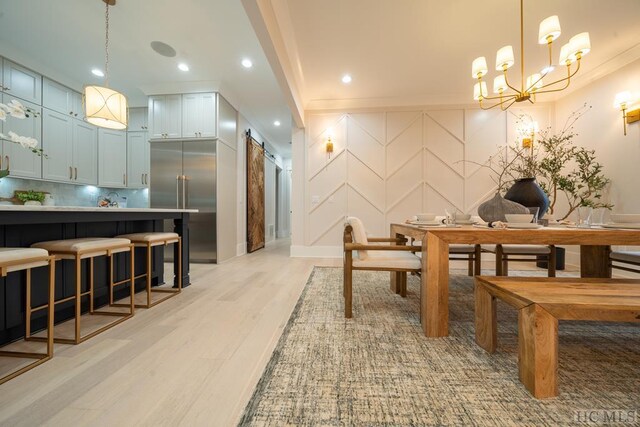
[[389, 165], [284, 201]]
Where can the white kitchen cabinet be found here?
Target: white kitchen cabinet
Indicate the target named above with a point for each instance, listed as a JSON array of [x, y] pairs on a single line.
[[61, 99], [165, 116], [137, 160], [112, 158], [21, 82], [137, 119], [199, 115], [85, 153], [22, 162], [72, 149]]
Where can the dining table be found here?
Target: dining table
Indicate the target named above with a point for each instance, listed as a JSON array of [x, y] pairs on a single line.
[[595, 246]]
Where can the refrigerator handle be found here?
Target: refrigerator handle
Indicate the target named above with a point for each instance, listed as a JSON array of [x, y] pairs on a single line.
[[178, 192], [184, 191]]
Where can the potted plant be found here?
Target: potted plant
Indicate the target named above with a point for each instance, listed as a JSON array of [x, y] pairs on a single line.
[[30, 197]]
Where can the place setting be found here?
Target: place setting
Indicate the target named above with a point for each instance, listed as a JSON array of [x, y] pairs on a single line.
[[623, 221], [449, 219]]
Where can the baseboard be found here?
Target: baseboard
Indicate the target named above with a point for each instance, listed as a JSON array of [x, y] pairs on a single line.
[[316, 251], [241, 249]]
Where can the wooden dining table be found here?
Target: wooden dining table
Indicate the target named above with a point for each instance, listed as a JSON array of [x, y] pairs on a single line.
[[595, 246]]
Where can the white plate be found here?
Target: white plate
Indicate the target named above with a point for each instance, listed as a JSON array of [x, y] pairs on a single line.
[[427, 223], [523, 226], [632, 226]]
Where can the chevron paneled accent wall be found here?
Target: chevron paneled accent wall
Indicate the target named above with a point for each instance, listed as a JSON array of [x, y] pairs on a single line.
[[387, 166]]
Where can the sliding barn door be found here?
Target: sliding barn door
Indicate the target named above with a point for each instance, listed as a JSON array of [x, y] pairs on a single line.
[[255, 195]]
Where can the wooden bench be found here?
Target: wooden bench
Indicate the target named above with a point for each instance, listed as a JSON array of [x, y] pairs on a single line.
[[541, 302]]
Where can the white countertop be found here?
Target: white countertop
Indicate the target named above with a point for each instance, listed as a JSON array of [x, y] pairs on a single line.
[[4, 208]]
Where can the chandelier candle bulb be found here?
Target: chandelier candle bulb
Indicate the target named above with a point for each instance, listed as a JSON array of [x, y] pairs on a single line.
[[565, 58], [499, 84], [479, 67], [579, 45], [549, 30], [504, 58], [477, 94]]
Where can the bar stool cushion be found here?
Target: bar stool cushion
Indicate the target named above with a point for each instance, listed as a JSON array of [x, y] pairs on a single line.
[[519, 249], [31, 258], [88, 246], [150, 237]]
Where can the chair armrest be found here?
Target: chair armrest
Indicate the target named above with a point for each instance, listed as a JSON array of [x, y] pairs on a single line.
[[358, 247], [386, 239]]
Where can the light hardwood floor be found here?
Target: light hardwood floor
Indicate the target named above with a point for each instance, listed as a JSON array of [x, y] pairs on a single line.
[[192, 360]]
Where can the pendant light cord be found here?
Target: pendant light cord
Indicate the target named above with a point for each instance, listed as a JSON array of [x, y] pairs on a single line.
[[106, 46]]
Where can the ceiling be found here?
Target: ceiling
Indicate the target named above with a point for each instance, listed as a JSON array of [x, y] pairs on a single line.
[[64, 39], [419, 52]]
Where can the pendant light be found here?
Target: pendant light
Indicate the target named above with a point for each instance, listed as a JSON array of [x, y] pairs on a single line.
[[103, 106]]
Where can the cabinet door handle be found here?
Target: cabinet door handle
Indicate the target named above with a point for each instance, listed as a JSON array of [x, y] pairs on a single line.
[[141, 178], [70, 172], [177, 191], [124, 179], [71, 113], [196, 134], [76, 175]]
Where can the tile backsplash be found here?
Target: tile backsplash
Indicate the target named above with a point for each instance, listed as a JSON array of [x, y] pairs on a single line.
[[73, 195]]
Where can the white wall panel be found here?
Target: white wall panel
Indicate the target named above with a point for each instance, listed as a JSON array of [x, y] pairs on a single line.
[[398, 164]]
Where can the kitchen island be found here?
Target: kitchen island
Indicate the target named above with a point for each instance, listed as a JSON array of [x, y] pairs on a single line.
[[21, 226]]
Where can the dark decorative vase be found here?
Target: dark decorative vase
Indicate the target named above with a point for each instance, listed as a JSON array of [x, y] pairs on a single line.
[[560, 257], [527, 192], [495, 209]]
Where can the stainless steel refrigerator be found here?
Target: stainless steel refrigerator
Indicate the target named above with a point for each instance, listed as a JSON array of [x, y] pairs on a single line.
[[183, 176]]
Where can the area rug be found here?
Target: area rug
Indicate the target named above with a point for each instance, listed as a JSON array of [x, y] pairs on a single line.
[[378, 369]]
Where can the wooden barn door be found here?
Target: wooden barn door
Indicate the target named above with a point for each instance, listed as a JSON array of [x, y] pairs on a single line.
[[255, 195]]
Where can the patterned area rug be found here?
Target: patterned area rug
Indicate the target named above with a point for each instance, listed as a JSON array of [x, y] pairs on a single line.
[[378, 369]]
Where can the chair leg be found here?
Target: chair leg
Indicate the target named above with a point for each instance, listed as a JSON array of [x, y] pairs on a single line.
[[552, 262], [470, 267], [347, 290], [403, 284], [499, 263], [505, 265], [133, 280], [478, 260]]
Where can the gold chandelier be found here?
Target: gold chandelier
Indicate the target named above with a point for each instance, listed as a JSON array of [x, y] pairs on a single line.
[[573, 51], [103, 106]]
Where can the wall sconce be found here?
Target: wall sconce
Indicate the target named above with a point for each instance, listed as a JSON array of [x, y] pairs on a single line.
[[529, 136], [329, 147], [622, 101]]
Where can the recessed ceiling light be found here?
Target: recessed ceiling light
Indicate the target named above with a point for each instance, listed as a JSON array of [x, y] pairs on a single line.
[[346, 79], [182, 66], [246, 63], [276, 123], [97, 72]]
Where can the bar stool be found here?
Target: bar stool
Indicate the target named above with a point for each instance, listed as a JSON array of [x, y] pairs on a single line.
[[19, 259], [90, 248], [149, 240]]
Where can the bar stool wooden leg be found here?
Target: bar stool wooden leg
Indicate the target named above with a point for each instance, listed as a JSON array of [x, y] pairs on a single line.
[[132, 291], [27, 322], [110, 256], [51, 308], [78, 298], [91, 291], [148, 274], [179, 264]]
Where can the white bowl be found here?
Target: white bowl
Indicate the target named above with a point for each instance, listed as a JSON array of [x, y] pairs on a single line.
[[461, 216], [519, 218], [426, 217], [625, 218]]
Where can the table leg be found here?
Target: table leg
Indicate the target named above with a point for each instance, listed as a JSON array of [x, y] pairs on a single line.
[[594, 261], [485, 319], [435, 286], [538, 351]]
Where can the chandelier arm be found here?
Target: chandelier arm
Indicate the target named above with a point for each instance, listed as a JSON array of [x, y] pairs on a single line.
[[511, 98], [566, 79], [508, 84], [106, 45], [522, 45]]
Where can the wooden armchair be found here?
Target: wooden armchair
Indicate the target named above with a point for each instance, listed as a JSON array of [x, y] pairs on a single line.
[[398, 258]]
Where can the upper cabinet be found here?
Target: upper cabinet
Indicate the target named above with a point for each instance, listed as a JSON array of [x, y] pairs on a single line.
[[137, 119], [61, 99], [112, 158], [199, 115], [137, 160], [165, 116], [20, 161], [21, 82]]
